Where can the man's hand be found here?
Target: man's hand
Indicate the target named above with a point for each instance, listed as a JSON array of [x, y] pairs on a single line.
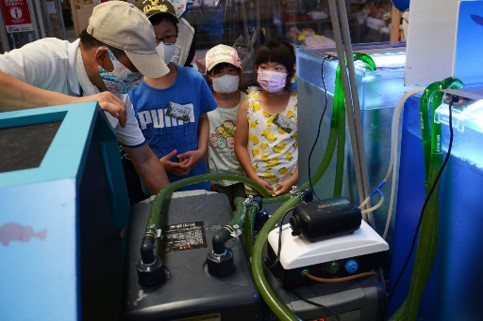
[[110, 103]]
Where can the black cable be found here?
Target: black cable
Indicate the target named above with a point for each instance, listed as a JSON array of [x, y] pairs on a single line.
[[319, 127], [297, 294], [279, 250], [426, 201]]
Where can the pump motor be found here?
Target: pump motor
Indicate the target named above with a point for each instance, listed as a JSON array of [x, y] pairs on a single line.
[[324, 219]]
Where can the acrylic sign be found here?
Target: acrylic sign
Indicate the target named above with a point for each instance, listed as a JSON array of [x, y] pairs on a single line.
[[16, 15]]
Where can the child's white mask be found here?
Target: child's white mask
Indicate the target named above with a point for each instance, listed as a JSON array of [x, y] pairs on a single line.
[[166, 51], [226, 84]]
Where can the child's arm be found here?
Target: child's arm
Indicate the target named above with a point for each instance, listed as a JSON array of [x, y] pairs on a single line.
[[190, 159], [241, 143], [203, 133]]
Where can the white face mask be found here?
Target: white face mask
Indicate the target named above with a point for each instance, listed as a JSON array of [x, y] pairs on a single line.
[[166, 51], [271, 81], [120, 80], [226, 84]]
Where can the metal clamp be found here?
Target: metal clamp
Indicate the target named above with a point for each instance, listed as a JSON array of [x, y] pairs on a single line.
[[234, 230]]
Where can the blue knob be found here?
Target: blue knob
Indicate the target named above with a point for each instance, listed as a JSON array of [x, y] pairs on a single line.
[[351, 266]]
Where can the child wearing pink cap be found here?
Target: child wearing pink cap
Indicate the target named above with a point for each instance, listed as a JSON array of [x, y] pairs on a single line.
[[223, 70]]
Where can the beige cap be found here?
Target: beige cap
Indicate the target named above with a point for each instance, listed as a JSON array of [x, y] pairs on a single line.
[[222, 53], [121, 25]]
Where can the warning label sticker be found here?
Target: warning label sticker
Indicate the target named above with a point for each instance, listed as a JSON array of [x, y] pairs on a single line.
[[184, 236]]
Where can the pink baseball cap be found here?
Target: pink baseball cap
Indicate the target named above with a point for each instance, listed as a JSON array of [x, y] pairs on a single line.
[[222, 53]]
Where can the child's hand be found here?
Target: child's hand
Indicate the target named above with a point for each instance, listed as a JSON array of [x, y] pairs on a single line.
[[175, 168], [283, 188], [190, 159], [265, 185]]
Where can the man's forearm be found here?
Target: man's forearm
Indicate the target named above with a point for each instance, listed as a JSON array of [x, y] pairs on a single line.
[[16, 95], [156, 178], [149, 168]]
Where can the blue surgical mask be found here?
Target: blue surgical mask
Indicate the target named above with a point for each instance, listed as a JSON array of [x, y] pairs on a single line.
[[120, 80]]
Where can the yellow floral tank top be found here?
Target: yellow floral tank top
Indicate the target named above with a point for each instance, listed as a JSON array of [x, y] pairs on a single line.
[[272, 140]]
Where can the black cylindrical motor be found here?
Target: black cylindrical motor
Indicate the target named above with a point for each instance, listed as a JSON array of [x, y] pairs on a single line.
[[324, 219]]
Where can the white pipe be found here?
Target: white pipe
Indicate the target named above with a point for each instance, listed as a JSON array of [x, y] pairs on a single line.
[[393, 163]]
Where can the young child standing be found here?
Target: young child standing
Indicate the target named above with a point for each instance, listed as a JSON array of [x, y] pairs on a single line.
[[223, 70], [266, 136], [172, 109]]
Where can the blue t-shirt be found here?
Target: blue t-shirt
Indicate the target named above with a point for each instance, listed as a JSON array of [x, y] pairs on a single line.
[[169, 117]]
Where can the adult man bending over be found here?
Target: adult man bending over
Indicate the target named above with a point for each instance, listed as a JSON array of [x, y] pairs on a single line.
[[117, 48]]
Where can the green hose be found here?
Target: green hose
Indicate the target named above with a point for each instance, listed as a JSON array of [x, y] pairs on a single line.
[[337, 126], [276, 199], [253, 209], [431, 136], [430, 223], [155, 213], [159, 208], [426, 98], [339, 167], [339, 115], [276, 305], [239, 215], [452, 83]]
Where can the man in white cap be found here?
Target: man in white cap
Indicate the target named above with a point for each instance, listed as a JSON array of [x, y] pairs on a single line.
[[113, 53]]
